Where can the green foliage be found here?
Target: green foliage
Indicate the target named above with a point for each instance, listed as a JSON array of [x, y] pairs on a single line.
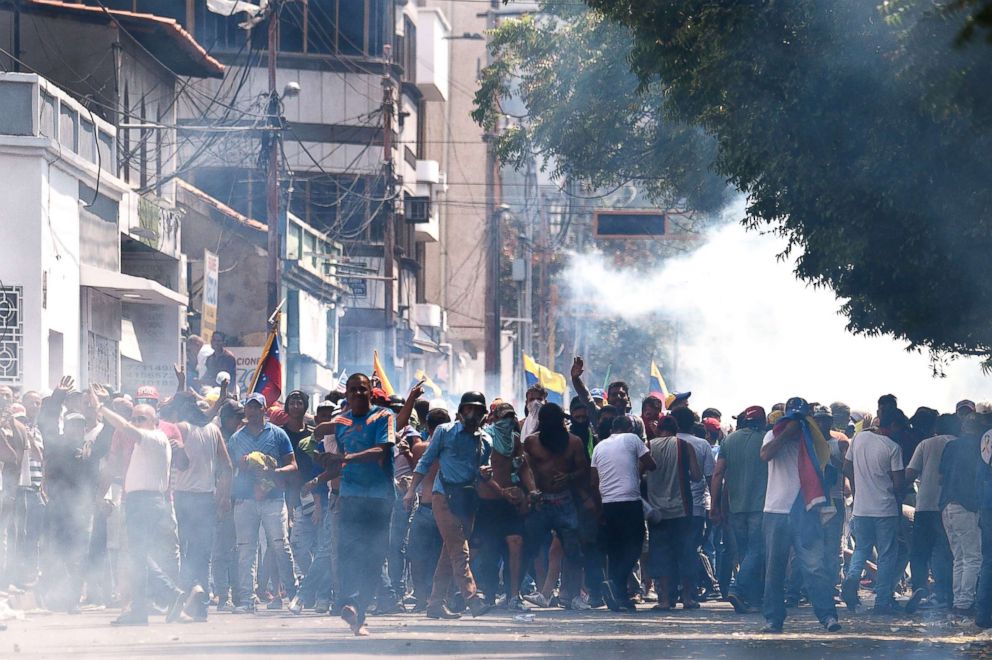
[[858, 132], [585, 115]]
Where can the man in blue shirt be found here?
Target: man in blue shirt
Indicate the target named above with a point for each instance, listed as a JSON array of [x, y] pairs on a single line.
[[258, 498], [461, 449], [362, 450]]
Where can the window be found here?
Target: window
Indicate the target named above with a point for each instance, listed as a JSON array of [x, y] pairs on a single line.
[[408, 52], [11, 334], [336, 27], [291, 27], [217, 32]]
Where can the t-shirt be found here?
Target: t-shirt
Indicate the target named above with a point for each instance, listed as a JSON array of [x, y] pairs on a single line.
[[663, 485], [874, 457], [615, 459], [707, 464], [783, 477], [304, 463], [746, 475], [926, 463], [271, 441], [201, 448], [149, 466], [959, 472], [354, 434]]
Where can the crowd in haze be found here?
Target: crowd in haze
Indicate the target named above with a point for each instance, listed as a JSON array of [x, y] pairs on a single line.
[[362, 504]]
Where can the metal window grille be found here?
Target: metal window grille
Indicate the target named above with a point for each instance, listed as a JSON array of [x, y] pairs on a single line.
[[11, 334]]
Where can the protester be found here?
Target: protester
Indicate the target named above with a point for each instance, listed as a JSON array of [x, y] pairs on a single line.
[[742, 477], [789, 521], [462, 452]]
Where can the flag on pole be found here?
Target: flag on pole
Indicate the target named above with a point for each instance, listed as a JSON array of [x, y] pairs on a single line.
[[342, 382], [380, 373], [552, 381], [428, 383], [656, 385], [606, 381], [267, 380]]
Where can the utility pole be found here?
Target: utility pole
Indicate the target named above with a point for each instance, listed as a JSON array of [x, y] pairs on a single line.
[[389, 228], [493, 323], [272, 160]]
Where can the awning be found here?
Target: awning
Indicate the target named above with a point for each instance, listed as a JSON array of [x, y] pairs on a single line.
[[128, 288]]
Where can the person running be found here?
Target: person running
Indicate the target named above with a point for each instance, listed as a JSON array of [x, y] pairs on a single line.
[[462, 452], [560, 466], [742, 476], [671, 554], [618, 462], [789, 523]]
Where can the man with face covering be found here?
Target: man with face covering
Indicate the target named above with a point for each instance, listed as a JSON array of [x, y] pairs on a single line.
[[537, 396], [500, 521], [462, 451], [560, 465], [617, 395]]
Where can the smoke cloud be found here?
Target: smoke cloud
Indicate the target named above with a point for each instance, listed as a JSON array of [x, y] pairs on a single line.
[[751, 333]]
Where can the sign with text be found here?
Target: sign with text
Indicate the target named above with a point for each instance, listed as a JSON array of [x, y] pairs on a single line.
[[208, 314], [247, 358]]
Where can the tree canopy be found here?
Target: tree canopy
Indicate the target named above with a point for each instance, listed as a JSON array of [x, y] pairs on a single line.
[[859, 132]]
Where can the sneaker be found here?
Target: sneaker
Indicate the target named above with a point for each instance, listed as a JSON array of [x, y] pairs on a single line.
[[516, 604], [537, 599], [610, 597], [130, 619], [477, 606], [295, 606], [913, 603], [831, 624], [740, 606], [651, 596], [274, 604], [442, 612], [578, 604], [244, 609], [196, 604], [322, 607], [226, 606]]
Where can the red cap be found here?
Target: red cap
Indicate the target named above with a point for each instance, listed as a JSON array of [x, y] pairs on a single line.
[[147, 392], [752, 413], [711, 423], [379, 394]]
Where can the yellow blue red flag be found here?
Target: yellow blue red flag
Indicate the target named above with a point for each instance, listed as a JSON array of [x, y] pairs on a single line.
[[553, 382]]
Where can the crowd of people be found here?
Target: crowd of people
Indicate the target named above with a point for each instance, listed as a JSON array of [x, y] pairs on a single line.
[[364, 503]]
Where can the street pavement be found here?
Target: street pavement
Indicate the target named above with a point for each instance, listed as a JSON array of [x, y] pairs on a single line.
[[711, 632]]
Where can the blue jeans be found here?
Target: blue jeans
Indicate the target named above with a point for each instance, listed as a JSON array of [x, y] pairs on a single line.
[[224, 559], [802, 531], [556, 512], [269, 514], [362, 546], [316, 584], [393, 589], [750, 543], [196, 516], [153, 548], [423, 550], [303, 540], [881, 534], [30, 522]]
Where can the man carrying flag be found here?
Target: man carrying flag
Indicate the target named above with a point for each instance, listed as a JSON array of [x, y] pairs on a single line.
[[796, 453]]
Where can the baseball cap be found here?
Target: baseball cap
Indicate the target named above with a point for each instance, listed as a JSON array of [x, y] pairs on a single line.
[[147, 392], [254, 397], [774, 416], [823, 412], [751, 414], [597, 393], [965, 403], [73, 417], [676, 396], [17, 411], [796, 406], [711, 424], [504, 410]]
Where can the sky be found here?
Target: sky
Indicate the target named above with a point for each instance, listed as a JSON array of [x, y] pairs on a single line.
[[751, 333]]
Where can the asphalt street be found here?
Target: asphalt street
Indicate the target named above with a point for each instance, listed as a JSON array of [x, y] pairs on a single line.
[[711, 632]]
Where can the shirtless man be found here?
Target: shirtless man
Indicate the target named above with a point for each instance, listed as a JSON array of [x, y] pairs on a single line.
[[500, 519], [560, 467]]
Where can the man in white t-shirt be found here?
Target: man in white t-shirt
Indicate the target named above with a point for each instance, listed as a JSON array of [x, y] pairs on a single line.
[[617, 465], [789, 524], [875, 469], [151, 527]]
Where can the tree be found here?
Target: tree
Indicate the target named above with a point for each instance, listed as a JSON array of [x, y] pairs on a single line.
[[583, 115], [857, 131]]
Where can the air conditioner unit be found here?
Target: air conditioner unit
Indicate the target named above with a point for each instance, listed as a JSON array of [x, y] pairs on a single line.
[[417, 209]]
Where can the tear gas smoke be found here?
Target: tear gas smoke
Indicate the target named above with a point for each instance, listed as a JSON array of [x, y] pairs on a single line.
[[752, 333]]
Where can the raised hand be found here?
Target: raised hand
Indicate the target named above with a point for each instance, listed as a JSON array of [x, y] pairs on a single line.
[[66, 385], [578, 367]]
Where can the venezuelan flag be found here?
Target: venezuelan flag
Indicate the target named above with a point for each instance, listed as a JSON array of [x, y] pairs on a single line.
[[657, 385], [553, 382], [267, 380], [381, 374], [428, 383]]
